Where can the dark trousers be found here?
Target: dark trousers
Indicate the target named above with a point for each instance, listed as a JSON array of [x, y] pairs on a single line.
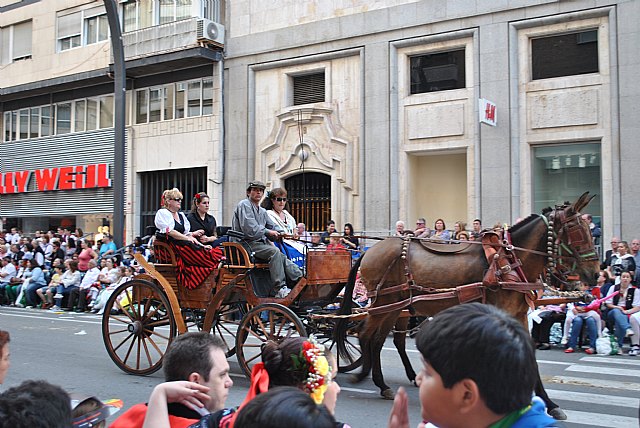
[[80, 296], [540, 332]]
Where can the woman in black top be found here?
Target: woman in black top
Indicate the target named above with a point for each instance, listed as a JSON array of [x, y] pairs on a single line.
[[203, 224]]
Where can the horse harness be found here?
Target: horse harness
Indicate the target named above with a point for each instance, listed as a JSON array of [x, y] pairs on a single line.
[[505, 268]]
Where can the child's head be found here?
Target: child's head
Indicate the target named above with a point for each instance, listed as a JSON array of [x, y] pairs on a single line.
[[334, 238], [476, 358]]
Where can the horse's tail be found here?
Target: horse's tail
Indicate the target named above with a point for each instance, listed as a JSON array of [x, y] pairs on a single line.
[[342, 324]]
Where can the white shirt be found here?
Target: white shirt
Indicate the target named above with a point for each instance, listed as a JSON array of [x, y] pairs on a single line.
[[7, 272], [90, 277], [165, 222]]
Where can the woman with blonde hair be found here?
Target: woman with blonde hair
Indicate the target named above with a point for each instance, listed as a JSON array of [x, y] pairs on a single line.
[[196, 261]]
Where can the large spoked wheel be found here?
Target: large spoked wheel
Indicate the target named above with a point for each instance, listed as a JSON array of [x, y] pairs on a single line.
[[353, 359], [226, 323], [269, 321], [138, 326]]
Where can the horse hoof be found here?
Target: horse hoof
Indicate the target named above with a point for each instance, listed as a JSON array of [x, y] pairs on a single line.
[[356, 379], [388, 394], [557, 414]]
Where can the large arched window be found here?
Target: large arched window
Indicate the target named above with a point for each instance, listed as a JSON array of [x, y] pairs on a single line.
[[309, 197]]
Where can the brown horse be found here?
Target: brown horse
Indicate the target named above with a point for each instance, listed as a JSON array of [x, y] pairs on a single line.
[[401, 273]]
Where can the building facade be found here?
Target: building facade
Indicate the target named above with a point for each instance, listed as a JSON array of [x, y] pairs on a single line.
[[395, 121], [366, 111], [57, 110]]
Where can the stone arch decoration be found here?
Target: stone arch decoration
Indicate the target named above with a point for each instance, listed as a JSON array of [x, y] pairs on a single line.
[[325, 147]]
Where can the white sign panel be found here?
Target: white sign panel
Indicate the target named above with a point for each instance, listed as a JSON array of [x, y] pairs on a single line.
[[488, 112]]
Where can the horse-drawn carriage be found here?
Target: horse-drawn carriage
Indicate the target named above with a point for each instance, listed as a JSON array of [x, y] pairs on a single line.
[[143, 315]]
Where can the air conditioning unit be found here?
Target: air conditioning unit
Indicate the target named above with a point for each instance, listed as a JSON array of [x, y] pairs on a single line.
[[209, 31]]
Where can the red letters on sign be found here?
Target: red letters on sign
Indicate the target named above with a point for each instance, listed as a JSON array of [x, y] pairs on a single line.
[[63, 178]]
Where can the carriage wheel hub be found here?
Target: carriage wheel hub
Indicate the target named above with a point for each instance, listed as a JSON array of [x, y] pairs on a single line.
[[135, 327]]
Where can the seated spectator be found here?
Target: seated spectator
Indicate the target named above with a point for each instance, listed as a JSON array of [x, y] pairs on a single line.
[[79, 296], [14, 289], [335, 243], [458, 228], [70, 280], [541, 329], [303, 235], [476, 233], [349, 240], [622, 261], [316, 241], [621, 306], [46, 294], [35, 403], [483, 372], [440, 230], [590, 317], [422, 231], [4, 354], [331, 228], [126, 274], [400, 228], [107, 248], [284, 407], [197, 359], [7, 272], [36, 281]]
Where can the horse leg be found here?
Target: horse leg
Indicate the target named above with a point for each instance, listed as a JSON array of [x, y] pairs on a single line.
[[365, 347], [377, 343], [400, 341], [552, 408]]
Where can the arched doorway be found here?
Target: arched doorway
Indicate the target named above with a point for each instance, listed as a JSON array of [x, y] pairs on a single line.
[[309, 196]]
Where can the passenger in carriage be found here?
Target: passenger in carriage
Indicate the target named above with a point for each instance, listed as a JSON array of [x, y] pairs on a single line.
[[258, 228], [440, 230], [335, 243], [203, 224], [275, 203], [196, 261], [331, 227], [349, 240]]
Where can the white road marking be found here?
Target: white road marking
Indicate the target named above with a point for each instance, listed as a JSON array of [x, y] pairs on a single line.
[[559, 363], [612, 360], [600, 419], [603, 370], [597, 383], [585, 397]]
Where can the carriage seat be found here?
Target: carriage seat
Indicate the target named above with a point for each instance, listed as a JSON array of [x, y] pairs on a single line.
[[237, 257]]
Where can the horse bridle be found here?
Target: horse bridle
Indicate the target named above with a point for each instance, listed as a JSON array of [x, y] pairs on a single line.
[[578, 246]]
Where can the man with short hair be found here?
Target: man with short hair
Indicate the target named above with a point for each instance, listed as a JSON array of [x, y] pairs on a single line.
[[108, 247], [610, 253], [330, 228], [421, 230], [195, 357], [635, 251], [303, 235], [254, 222], [35, 403], [477, 230]]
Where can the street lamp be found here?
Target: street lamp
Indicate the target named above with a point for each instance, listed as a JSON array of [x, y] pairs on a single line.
[[120, 88]]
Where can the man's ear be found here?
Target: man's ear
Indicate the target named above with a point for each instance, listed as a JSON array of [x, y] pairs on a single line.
[[195, 377], [467, 395]]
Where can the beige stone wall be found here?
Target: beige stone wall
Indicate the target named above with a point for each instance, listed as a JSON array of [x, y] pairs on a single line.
[[46, 63], [330, 130], [257, 16]]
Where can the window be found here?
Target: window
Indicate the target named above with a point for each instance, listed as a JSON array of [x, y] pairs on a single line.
[[180, 94], [137, 14], [142, 106], [190, 181], [96, 25], [23, 118], [207, 96], [564, 55], [69, 31], [34, 122], [46, 121], [174, 10], [106, 111], [79, 119], [308, 88], [63, 118], [16, 42], [82, 28], [6, 125], [193, 99], [437, 72], [92, 115], [562, 172], [310, 199], [156, 99]]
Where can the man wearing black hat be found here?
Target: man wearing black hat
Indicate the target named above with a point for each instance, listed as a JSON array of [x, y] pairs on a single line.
[[253, 221]]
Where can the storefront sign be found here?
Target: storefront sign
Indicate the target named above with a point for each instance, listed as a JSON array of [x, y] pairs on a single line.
[[488, 112], [63, 178]]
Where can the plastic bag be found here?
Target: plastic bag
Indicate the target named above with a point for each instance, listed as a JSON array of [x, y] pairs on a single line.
[[607, 345]]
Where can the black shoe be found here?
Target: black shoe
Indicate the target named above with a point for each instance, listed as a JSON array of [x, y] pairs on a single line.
[[67, 309], [544, 346]]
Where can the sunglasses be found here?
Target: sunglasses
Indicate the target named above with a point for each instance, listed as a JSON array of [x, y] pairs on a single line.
[[177, 199], [281, 199]]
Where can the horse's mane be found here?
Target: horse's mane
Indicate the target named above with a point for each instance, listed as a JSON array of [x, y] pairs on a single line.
[[524, 222]]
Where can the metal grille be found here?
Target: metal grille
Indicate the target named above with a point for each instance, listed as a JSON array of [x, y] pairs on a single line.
[[309, 196], [308, 88], [189, 181]]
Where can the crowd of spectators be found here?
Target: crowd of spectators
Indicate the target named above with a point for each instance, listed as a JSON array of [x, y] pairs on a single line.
[[63, 270], [440, 231]]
